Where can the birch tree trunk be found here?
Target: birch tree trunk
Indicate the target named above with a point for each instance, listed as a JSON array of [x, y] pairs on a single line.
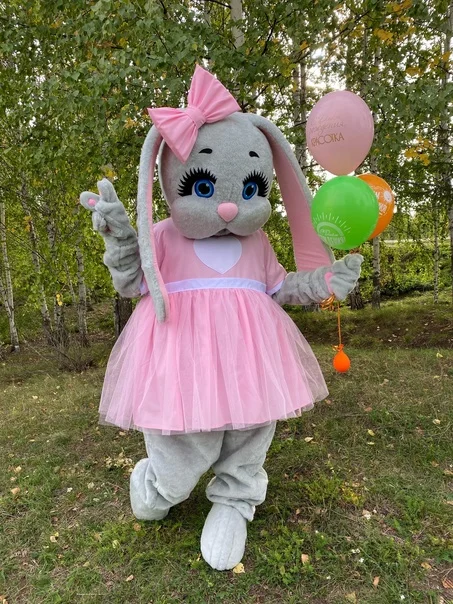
[[355, 299], [444, 133], [436, 254], [376, 295], [236, 15], [82, 301], [35, 257], [6, 285], [299, 77], [60, 335]]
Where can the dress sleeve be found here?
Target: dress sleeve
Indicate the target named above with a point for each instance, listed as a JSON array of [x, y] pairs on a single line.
[[275, 273]]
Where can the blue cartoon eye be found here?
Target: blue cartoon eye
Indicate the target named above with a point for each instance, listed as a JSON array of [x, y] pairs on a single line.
[[203, 188], [249, 190]]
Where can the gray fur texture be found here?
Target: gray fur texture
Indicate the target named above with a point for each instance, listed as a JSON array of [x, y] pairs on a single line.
[[229, 161], [121, 256], [307, 287]]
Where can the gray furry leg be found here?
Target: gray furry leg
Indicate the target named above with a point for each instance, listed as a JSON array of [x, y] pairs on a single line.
[[170, 472], [240, 480], [240, 484]]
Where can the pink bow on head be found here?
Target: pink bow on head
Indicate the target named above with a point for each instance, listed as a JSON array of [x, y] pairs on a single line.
[[208, 101]]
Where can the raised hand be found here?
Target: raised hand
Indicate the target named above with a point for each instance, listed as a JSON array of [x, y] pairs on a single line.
[[109, 215], [122, 255]]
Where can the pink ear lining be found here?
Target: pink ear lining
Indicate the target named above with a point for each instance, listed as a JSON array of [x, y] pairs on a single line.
[[309, 251]]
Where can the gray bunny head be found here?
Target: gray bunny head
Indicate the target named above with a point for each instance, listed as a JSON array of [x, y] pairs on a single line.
[[223, 187]]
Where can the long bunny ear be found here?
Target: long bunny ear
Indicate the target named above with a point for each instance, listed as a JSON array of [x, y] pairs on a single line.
[[309, 251], [145, 224]]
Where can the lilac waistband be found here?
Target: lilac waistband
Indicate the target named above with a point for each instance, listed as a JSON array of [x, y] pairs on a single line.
[[222, 283]]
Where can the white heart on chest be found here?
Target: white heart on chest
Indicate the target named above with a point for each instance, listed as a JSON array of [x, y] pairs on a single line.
[[219, 253]]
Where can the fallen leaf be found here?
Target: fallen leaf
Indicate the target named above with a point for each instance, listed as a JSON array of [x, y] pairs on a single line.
[[15, 491], [130, 577], [446, 472], [371, 443], [371, 433], [308, 439], [426, 565], [136, 526], [366, 514], [86, 564], [34, 397], [239, 569], [17, 470], [447, 583], [305, 558], [368, 409], [351, 597], [376, 581], [436, 421], [439, 356], [449, 502]]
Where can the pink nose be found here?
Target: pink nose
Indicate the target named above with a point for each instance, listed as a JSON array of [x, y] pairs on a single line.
[[227, 211]]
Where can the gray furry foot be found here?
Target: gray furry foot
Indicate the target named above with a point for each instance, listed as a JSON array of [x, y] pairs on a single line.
[[144, 495], [223, 537]]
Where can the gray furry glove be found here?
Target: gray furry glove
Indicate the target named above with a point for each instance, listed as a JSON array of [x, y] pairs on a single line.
[[315, 286], [122, 255]]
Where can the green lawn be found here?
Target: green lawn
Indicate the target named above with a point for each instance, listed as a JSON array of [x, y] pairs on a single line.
[[361, 487]]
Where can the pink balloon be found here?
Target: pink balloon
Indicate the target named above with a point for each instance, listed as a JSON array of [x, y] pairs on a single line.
[[340, 132]]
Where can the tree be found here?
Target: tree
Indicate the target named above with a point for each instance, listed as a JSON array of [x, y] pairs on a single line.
[[6, 284]]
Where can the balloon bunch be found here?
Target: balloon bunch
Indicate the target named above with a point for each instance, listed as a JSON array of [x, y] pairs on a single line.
[[347, 210]]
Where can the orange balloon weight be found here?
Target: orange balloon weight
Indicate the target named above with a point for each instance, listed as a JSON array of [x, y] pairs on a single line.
[[386, 201], [341, 361]]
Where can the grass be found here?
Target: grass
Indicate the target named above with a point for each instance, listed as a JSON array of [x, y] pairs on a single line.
[[361, 486]]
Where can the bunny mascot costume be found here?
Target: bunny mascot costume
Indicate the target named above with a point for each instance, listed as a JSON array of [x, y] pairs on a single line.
[[209, 361]]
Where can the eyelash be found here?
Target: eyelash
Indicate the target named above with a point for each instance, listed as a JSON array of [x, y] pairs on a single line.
[[190, 178], [261, 181]]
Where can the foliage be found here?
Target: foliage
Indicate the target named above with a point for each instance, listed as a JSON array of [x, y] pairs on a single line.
[[76, 78]]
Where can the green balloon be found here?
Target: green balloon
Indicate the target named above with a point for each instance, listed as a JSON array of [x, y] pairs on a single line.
[[344, 212]]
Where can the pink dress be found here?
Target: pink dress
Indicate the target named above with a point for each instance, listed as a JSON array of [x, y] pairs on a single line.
[[228, 357]]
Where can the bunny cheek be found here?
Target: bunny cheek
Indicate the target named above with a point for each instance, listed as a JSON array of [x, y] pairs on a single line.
[[252, 215], [196, 218]]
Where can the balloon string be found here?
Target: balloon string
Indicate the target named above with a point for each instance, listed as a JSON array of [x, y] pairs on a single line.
[[340, 346], [329, 304]]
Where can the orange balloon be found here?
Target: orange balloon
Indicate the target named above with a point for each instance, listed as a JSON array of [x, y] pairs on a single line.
[[386, 201], [341, 362]]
